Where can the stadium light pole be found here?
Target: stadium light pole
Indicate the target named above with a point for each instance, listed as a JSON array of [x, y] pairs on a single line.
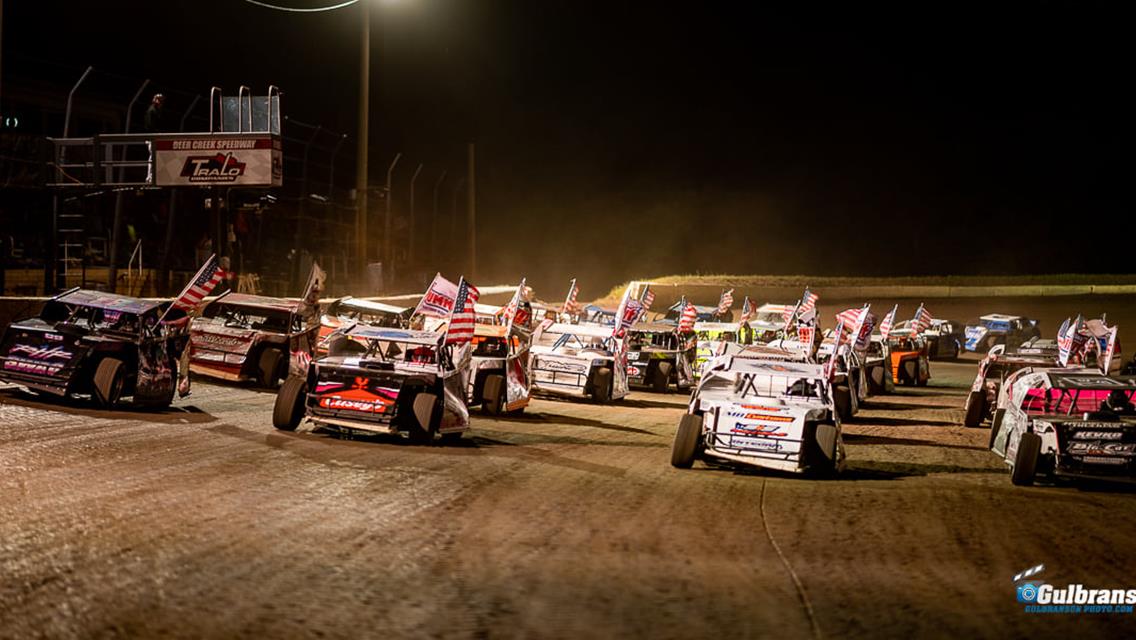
[[364, 122]]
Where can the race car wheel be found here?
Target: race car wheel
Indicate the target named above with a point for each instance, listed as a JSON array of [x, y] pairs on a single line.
[[422, 427], [662, 380], [109, 379], [493, 394], [685, 445], [922, 382], [289, 408], [876, 381], [955, 350], [824, 437], [842, 401], [163, 399], [975, 408], [1025, 462], [601, 385], [995, 425], [269, 368], [910, 370]]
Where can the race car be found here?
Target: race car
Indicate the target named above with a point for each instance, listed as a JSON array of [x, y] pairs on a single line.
[[378, 380], [772, 414], [501, 381], [657, 359], [241, 337], [944, 338], [877, 366], [578, 361], [907, 356], [849, 386], [993, 371], [713, 339], [102, 345], [348, 309], [1068, 423], [999, 328], [767, 322]]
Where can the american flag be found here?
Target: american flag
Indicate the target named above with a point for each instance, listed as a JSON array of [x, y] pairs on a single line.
[[849, 317], [922, 320], [202, 284], [464, 318], [571, 307], [631, 313], [508, 311], [688, 317], [648, 299], [747, 310], [808, 302], [888, 322], [726, 301], [838, 338]]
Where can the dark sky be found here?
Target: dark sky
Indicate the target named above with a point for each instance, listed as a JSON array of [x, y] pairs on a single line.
[[630, 139]]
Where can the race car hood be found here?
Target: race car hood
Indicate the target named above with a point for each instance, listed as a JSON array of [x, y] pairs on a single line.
[[207, 337]]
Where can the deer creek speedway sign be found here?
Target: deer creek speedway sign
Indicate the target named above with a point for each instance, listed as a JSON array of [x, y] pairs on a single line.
[[251, 160]]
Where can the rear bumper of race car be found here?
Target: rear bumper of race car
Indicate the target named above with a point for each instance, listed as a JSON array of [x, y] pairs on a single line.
[[790, 466], [36, 383]]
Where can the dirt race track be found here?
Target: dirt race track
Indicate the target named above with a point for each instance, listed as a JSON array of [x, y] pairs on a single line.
[[203, 521]]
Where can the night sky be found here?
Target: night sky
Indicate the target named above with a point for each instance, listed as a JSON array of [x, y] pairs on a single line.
[[631, 139]]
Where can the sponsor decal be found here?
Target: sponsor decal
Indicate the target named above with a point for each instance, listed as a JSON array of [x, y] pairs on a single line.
[[42, 353], [758, 407], [379, 405], [219, 167], [1038, 596], [560, 365], [1098, 435], [632, 370], [1102, 448], [749, 442], [54, 337], [215, 340], [767, 430]]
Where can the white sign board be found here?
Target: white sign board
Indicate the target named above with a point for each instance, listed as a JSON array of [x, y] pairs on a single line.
[[251, 160]]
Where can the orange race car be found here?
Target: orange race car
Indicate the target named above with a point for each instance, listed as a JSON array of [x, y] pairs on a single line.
[[908, 358]]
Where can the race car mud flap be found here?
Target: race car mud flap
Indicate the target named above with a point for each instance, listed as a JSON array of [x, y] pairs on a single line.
[[424, 409], [826, 439]]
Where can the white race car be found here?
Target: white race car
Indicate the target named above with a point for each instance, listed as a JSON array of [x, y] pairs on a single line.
[[579, 361], [1069, 422], [774, 414]]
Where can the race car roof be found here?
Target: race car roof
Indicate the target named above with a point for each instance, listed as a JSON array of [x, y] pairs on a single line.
[[593, 330], [486, 309], [371, 305], [654, 327], [1087, 379], [999, 317], [701, 309], [490, 330], [104, 300], [262, 302], [775, 308], [716, 326], [369, 332], [777, 368]]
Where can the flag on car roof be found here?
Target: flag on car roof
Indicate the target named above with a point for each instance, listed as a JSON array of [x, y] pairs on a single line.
[[648, 299], [837, 339], [888, 322], [309, 305], [438, 301], [463, 319], [808, 302], [725, 302], [509, 310], [1070, 339], [804, 311], [747, 310], [688, 318], [571, 307], [202, 284], [922, 320]]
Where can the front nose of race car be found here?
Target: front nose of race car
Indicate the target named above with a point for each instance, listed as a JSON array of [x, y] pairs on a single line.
[[974, 336]]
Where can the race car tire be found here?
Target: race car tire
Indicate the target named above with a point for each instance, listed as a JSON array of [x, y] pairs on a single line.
[[601, 385], [493, 394], [911, 371], [922, 382], [955, 350], [109, 380], [422, 427], [1025, 461], [288, 410], [825, 436], [996, 425], [269, 368], [662, 380], [842, 401], [975, 409], [685, 445], [163, 399]]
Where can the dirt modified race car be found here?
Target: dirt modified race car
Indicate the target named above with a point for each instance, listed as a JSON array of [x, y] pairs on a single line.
[[944, 338], [849, 383], [998, 328], [102, 345], [377, 380], [771, 414], [1072, 423], [907, 356], [715, 339], [656, 358], [241, 337], [578, 361], [346, 310], [993, 371], [501, 380]]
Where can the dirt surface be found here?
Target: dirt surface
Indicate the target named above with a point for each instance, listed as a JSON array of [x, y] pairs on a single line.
[[203, 521]]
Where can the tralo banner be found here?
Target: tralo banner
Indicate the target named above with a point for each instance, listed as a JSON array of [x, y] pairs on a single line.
[[228, 159]]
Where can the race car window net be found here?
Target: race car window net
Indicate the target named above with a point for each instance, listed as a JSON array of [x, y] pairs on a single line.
[[767, 386], [1067, 401]]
